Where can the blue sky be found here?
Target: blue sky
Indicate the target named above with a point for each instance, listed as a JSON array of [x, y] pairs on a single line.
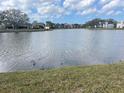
[[67, 11]]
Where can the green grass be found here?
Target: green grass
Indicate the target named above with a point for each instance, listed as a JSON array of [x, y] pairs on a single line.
[[88, 79]]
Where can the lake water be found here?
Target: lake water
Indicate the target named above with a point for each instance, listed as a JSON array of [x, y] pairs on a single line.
[[37, 50]]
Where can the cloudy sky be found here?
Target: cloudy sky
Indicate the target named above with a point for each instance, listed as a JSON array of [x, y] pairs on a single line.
[[70, 11]]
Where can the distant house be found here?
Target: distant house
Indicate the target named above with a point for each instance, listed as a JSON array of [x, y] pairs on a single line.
[[47, 27], [76, 25], [108, 25], [68, 26], [59, 26], [9, 26], [2, 26], [25, 26], [104, 25], [99, 25], [120, 24], [38, 25]]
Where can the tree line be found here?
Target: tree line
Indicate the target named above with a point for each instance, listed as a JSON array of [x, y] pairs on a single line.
[[98, 21], [15, 18]]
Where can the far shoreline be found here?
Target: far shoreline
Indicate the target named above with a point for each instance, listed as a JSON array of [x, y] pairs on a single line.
[[22, 30], [43, 30]]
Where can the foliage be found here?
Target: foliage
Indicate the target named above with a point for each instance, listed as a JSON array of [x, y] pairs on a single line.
[[50, 24], [14, 18]]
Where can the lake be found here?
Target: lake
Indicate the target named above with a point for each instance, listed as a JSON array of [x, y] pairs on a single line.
[[58, 48]]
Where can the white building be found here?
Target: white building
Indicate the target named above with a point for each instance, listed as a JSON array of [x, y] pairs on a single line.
[[47, 27], [100, 25], [108, 25], [120, 24]]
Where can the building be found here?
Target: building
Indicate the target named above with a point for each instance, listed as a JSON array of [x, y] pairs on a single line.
[[76, 25], [68, 26], [38, 25], [108, 25], [2, 26], [104, 25], [59, 26], [120, 24], [25, 26], [47, 27], [101, 24]]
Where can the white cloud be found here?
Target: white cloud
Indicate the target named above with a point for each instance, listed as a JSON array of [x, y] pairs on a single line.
[[104, 1], [24, 5], [113, 4], [113, 13], [110, 12], [78, 4], [43, 8], [111, 7], [50, 9], [53, 9], [80, 7], [88, 11]]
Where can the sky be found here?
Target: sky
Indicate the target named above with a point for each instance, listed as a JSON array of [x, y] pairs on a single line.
[[67, 11]]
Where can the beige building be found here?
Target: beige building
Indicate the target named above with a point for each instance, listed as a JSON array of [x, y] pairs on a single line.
[[47, 27], [120, 24]]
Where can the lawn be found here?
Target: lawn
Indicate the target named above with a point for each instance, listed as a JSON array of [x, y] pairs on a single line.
[[81, 79]]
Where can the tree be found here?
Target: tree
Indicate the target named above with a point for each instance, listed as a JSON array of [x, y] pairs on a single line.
[[14, 18], [50, 24], [112, 21], [1, 17]]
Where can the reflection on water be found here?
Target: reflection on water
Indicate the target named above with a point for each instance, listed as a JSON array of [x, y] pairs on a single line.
[[37, 50]]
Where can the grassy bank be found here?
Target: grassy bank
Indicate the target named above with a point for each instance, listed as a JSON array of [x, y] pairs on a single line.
[[22, 30], [89, 79], [105, 28]]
